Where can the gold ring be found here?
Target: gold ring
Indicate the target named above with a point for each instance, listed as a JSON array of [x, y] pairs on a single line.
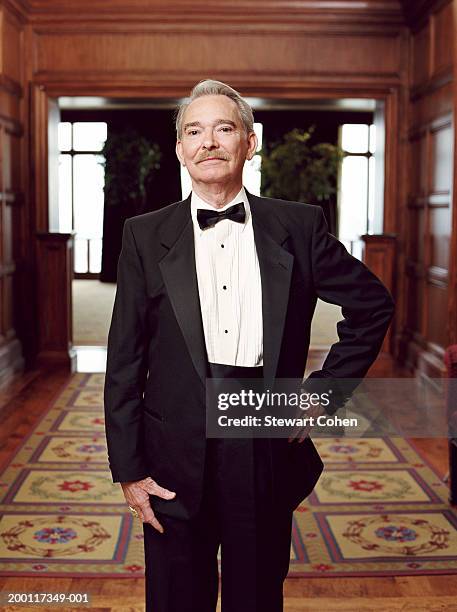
[[134, 512]]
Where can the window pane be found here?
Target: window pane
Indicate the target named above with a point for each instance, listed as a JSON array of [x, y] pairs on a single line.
[[80, 255], [372, 139], [65, 213], [186, 183], [354, 191], [371, 195], [251, 175], [64, 136], [89, 136], [354, 138], [251, 171], [258, 129], [89, 178]]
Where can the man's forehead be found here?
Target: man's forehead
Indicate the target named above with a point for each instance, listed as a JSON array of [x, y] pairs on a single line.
[[204, 106]]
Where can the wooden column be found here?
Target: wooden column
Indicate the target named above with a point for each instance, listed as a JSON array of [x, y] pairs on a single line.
[[11, 187], [55, 274], [379, 256]]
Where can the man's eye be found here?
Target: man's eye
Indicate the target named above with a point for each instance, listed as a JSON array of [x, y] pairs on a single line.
[[226, 128]]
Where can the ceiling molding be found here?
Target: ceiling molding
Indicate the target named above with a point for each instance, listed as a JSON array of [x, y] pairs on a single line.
[[241, 11], [147, 84], [377, 13], [238, 7]]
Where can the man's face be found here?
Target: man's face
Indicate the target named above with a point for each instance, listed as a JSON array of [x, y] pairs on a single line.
[[213, 144]]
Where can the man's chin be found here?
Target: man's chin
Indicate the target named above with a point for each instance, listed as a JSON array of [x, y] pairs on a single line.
[[212, 176]]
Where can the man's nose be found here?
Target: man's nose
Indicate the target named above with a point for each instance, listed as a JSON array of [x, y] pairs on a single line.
[[209, 139]]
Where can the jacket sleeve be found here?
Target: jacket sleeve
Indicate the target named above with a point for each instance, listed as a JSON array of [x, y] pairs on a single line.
[[126, 367], [366, 305]]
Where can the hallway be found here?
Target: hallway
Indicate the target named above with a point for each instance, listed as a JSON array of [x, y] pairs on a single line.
[[21, 407]]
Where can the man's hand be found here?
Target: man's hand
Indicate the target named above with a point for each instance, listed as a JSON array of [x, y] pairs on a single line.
[[137, 496], [301, 433]]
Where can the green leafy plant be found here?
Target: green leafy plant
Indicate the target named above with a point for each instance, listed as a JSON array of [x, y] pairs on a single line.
[[130, 158], [296, 169]]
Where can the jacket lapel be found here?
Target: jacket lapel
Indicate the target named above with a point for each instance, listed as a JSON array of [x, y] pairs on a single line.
[[180, 277], [276, 265]]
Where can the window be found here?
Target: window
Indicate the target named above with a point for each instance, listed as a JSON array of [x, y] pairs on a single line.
[[81, 182], [357, 185]]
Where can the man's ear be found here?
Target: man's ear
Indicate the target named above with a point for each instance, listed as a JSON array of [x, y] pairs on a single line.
[[252, 145], [179, 154]]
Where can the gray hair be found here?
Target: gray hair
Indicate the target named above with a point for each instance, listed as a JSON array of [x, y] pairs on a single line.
[[208, 87]]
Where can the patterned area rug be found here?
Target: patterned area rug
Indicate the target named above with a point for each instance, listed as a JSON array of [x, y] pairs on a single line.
[[378, 509], [60, 513]]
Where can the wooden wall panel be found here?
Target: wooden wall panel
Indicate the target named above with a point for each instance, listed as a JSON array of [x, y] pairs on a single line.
[[415, 242], [55, 274], [242, 52], [418, 165], [415, 289], [7, 249], [13, 178], [10, 106], [11, 142], [437, 331], [420, 45], [379, 256], [430, 102], [442, 50], [429, 200], [12, 46]]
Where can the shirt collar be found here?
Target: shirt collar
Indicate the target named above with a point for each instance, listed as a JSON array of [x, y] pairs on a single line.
[[197, 202]]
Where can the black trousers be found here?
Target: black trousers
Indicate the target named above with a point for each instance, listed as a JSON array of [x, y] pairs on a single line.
[[237, 514]]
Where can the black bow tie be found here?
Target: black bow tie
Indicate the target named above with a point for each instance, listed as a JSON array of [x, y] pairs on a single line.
[[209, 218]]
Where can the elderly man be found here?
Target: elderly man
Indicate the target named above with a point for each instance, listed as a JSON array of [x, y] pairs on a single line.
[[222, 285]]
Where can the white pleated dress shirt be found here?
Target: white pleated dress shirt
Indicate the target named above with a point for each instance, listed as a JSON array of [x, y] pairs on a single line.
[[229, 287]]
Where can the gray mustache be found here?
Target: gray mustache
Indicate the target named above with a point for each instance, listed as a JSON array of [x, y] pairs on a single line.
[[214, 156]]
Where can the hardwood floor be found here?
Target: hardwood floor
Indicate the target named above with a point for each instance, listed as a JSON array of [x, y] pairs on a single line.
[[408, 594], [24, 401]]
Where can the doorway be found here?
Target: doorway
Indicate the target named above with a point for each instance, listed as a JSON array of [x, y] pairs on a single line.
[[274, 117]]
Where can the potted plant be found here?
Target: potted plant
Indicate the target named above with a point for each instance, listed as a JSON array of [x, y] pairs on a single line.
[[129, 160], [297, 169]]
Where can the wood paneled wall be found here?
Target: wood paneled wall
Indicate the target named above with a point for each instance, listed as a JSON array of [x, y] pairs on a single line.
[[156, 49], [426, 220], [269, 48], [162, 48], [11, 183]]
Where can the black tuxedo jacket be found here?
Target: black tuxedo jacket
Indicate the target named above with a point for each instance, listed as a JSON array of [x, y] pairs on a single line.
[[157, 363]]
